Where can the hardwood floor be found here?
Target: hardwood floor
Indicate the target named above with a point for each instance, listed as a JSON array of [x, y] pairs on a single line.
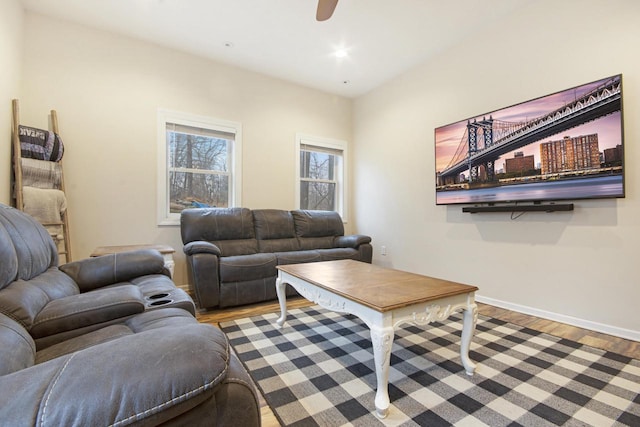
[[594, 339], [584, 336]]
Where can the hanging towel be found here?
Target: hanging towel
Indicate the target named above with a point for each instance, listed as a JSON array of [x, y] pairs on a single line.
[[45, 205], [41, 173]]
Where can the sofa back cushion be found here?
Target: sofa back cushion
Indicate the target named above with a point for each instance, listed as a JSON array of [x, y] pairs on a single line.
[[230, 229], [8, 259], [18, 351], [29, 275], [33, 249], [317, 229], [23, 300], [275, 231]]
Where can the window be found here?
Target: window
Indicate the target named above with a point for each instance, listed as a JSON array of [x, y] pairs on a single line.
[[320, 183], [198, 164]]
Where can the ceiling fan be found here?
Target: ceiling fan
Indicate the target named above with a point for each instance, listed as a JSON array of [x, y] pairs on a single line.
[[325, 9]]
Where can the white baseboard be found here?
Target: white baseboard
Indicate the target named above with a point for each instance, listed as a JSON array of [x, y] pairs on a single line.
[[556, 317]]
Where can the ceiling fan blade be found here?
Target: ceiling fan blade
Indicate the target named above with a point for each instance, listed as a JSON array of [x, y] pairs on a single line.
[[325, 9]]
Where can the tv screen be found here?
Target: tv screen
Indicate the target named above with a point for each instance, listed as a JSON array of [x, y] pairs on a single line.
[[563, 146]]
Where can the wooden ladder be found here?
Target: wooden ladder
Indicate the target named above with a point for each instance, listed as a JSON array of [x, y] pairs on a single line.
[[64, 249]]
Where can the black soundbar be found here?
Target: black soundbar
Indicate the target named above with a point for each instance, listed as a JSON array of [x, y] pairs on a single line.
[[550, 207]]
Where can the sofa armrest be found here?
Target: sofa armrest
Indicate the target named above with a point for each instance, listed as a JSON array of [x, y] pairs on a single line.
[[120, 382], [352, 241], [203, 270], [201, 247], [91, 308], [92, 273]]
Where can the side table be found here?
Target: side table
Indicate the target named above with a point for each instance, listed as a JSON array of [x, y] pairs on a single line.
[[165, 250]]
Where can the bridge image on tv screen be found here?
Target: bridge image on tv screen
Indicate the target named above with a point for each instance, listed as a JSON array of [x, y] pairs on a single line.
[[563, 146]]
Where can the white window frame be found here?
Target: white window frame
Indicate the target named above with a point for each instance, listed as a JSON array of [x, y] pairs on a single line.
[[341, 172], [165, 217]]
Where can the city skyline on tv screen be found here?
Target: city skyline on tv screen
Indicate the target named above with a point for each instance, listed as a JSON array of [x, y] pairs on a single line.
[[567, 145]]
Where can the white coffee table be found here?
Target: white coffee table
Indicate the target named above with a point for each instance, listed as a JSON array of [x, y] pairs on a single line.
[[383, 299]]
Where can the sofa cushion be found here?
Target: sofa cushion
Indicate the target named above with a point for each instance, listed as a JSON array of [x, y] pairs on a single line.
[[339, 253], [34, 248], [309, 243], [18, 349], [81, 342], [211, 224], [9, 264], [230, 229], [237, 247], [297, 257], [273, 224], [317, 223], [22, 300], [278, 245], [91, 308], [275, 231], [247, 267], [170, 317], [156, 319]]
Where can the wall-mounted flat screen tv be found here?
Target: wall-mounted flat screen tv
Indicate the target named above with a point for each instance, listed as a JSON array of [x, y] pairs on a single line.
[[563, 146]]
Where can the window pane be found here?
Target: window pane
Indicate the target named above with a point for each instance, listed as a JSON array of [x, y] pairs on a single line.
[[197, 190], [321, 173], [317, 196], [316, 165], [199, 163], [198, 152]]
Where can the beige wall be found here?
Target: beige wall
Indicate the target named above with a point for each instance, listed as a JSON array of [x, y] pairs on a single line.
[[11, 21], [107, 89], [580, 265], [574, 266]]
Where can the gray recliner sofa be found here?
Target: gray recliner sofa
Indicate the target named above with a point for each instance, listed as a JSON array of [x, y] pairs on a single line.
[[232, 253], [87, 343]]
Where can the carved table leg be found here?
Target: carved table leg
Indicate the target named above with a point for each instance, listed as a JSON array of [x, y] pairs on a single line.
[[382, 340], [282, 299], [469, 319]]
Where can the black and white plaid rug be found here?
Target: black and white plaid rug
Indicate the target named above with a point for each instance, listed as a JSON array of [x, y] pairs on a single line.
[[318, 371]]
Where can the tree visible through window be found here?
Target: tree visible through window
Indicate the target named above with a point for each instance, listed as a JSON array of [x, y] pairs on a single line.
[[321, 174], [317, 180], [199, 164], [198, 168]]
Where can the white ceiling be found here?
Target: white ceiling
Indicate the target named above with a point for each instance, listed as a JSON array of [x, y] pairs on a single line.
[[281, 38]]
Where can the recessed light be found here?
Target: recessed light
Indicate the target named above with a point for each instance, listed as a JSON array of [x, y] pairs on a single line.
[[341, 53]]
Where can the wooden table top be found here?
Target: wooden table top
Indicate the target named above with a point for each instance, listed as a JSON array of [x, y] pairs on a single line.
[[107, 250], [380, 288]]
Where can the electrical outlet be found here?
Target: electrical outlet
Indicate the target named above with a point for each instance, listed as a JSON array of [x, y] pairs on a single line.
[[383, 250]]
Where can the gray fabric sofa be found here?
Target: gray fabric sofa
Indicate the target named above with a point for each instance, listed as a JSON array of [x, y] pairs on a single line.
[[107, 341], [232, 253]]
